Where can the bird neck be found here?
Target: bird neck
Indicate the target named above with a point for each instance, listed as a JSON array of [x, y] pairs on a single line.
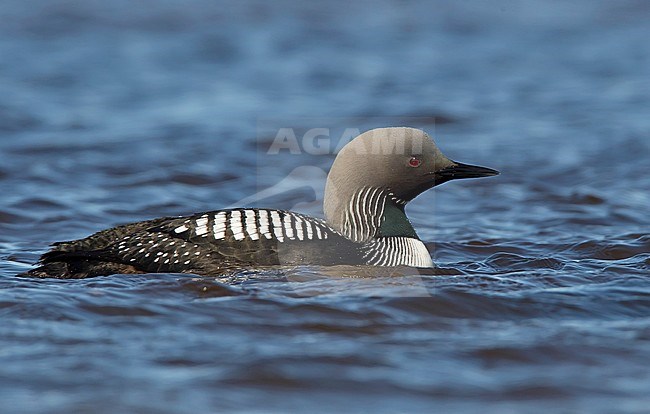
[[395, 223], [370, 213]]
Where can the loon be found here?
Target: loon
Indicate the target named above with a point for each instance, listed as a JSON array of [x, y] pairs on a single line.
[[372, 179]]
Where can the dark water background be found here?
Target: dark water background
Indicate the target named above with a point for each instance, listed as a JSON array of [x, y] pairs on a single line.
[[112, 112]]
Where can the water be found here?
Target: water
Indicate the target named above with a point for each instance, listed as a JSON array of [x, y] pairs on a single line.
[[112, 112]]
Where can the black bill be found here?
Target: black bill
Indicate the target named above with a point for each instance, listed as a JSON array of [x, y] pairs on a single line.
[[459, 170]]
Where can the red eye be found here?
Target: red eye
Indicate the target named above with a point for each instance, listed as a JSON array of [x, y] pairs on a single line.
[[415, 162]]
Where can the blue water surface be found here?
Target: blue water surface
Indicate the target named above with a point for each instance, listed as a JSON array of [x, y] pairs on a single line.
[[113, 112]]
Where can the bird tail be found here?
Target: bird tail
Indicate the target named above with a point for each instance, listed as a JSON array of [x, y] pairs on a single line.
[[77, 265]]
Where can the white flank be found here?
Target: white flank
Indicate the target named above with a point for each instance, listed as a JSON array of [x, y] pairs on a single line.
[[421, 255], [399, 251]]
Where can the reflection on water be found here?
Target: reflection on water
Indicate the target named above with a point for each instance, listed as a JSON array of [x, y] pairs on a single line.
[[113, 112]]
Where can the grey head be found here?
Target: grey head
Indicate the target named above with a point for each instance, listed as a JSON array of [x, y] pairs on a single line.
[[377, 173]]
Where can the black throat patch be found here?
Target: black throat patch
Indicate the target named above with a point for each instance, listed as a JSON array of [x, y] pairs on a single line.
[[394, 223]]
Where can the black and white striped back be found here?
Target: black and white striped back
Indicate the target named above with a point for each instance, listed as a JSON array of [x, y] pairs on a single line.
[[226, 240], [254, 224]]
